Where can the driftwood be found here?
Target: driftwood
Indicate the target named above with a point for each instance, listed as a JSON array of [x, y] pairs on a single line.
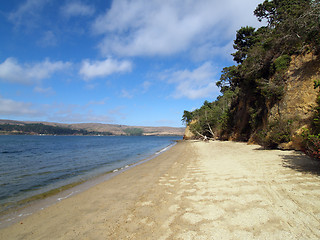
[[210, 129], [203, 137]]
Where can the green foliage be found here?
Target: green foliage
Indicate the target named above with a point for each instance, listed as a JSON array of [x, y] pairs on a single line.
[[245, 38], [316, 116], [316, 84], [253, 86], [133, 131], [272, 91], [212, 117], [229, 80], [311, 136], [277, 131], [277, 11], [311, 144], [187, 117], [282, 63]]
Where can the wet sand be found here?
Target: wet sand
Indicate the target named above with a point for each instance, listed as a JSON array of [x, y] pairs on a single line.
[[196, 190]]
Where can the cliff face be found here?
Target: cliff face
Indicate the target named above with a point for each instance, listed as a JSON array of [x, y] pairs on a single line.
[[296, 105], [268, 96], [187, 133], [299, 94], [299, 97]]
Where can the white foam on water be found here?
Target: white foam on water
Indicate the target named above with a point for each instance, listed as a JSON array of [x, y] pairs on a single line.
[[69, 195]]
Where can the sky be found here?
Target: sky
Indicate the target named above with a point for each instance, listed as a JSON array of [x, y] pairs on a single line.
[[129, 62]]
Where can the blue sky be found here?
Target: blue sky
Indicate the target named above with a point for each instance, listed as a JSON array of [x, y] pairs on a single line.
[[131, 62]]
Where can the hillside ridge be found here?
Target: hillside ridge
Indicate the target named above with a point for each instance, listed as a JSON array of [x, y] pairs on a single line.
[[113, 129]]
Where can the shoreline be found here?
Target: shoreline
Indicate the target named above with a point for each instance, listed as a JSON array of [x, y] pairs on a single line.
[[195, 190], [35, 203]]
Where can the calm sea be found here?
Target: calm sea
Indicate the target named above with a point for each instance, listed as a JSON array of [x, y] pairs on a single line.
[[34, 165]]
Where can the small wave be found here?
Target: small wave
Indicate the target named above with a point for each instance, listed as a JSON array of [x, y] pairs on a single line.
[[164, 149], [24, 214], [10, 152], [69, 195]]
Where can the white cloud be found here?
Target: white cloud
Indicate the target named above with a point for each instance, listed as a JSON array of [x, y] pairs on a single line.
[[209, 50], [126, 94], [47, 91], [13, 72], [197, 83], [92, 102], [27, 13], [74, 9], [153, 27], [48, 39], [92, 69], [145, 86], [118, 112], [9, 107], [74, 113], [83, 117]]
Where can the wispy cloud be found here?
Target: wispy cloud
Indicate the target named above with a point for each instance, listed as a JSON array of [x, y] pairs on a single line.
[[27, 13], [56, 112], [77, 8], [126, 94], [93, 69], [151, 27], [14, 72], [48, 39], [193, 84], [46, 91], [71, 115], [118, 112], [145, 86], [9, 107], [93, 102]]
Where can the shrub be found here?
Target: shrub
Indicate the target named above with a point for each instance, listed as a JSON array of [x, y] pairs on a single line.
[[272, 91], [282, 63], [278, 131], [311, 144], [133, 131]]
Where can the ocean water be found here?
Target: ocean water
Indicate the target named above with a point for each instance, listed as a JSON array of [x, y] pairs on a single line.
[[34, 165]]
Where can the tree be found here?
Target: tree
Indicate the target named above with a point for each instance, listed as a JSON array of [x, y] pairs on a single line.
[[277, 11], [229, 79], [187, 117], [253, 86], [133, 131], [245, 38]]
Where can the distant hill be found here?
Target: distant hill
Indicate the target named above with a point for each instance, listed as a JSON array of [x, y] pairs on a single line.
[[83, 128]]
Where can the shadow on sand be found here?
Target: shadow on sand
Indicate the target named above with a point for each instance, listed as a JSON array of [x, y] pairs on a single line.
[[301, 163], [297, 161]]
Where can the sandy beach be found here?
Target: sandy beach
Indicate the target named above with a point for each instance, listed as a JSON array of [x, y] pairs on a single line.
[[196, 190]]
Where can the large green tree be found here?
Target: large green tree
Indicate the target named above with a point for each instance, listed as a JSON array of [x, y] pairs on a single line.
[[256, 83], [245, 38], [277, 11]]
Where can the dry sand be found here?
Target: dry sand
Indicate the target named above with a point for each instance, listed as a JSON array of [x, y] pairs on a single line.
[[196, 190]]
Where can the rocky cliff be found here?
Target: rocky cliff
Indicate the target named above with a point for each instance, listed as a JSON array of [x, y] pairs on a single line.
[[296, 106], [299, 99]]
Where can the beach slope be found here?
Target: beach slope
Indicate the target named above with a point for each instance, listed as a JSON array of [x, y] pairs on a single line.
[[196, 190]]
